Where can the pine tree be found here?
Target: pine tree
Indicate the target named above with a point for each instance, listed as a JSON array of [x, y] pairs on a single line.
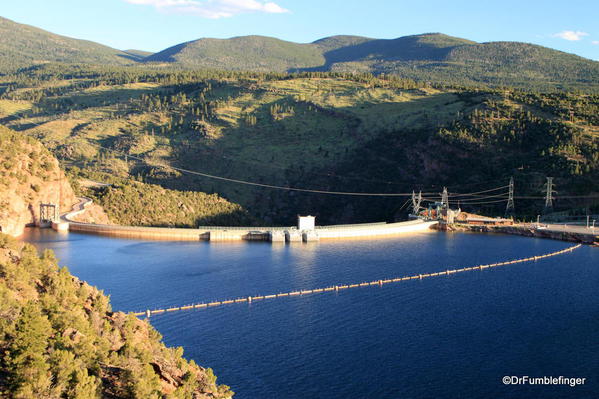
[[27, 367]]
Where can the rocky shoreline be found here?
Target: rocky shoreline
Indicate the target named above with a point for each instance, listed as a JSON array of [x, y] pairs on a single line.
[[527, 231]]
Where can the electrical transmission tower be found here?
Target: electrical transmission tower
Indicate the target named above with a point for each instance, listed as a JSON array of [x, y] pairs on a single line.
[[416, 201], [549, 191], [445, 198], [509, 209]]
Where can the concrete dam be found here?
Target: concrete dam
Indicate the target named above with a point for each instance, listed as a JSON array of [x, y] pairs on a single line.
[[305, 231]]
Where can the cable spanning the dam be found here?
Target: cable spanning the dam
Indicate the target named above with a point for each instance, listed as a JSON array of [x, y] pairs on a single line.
[[337, 288], [484, 197]]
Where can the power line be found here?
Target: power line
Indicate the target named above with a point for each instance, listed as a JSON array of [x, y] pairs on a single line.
[[329, 175], [480, 198], [271, 165], [467, 201], [549, 194], [239, 181], [416, 201], [509, 208], [475, 199], [484, 203], [445, 198], [280, 167], [250, 183], [478, 192], [530, 197], [404, 204]]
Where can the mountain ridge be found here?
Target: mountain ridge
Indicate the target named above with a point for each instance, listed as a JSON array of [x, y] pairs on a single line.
[[23, 45], [429, 56], [433, 57]]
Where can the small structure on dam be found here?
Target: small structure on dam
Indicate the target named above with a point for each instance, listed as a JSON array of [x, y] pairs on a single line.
[[307, 228], [306, 223], [305, 231], [48, 213]]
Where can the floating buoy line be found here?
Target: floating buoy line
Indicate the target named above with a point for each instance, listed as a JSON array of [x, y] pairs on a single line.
[[337, 288]]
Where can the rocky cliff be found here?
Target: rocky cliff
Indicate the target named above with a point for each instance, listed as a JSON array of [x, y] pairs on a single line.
[[30, 175]]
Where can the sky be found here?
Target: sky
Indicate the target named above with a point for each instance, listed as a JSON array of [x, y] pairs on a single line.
[[153, 25]]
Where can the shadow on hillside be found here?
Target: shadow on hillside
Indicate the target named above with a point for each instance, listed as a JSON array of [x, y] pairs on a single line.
[[274, 152], [236, 218], [408, 48], [100, 97], [168, 54], [131, 57]]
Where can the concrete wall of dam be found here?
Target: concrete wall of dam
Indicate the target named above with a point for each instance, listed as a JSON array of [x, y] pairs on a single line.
[[215, 233]]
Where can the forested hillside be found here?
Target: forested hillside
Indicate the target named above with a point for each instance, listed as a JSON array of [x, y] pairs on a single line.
[[323, 131], [24, 45], [428, 57], [133, 203], [248, 53], [59, 338]]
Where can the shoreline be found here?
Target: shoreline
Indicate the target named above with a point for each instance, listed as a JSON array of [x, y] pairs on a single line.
[[527, 230]]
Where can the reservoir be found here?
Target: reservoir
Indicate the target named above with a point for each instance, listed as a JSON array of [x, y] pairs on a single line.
[[444, 337]]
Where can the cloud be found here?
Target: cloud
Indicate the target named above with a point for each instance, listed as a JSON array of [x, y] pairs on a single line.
[[571, 35], [212, 9], [595, 42]]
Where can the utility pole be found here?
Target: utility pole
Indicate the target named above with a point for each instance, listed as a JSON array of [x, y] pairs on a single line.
[[509, 209], [445, 198], [416, 201], [549, 191]]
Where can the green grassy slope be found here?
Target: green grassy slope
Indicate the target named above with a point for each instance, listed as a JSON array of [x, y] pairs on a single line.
[[22, 45]]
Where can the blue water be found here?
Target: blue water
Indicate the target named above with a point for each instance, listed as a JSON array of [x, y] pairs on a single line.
[[444, 337]]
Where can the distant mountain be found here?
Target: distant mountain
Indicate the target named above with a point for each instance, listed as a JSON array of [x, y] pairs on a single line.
[[269, 54], [426, 47], [430, 56], [23, 45], [256, 53]]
